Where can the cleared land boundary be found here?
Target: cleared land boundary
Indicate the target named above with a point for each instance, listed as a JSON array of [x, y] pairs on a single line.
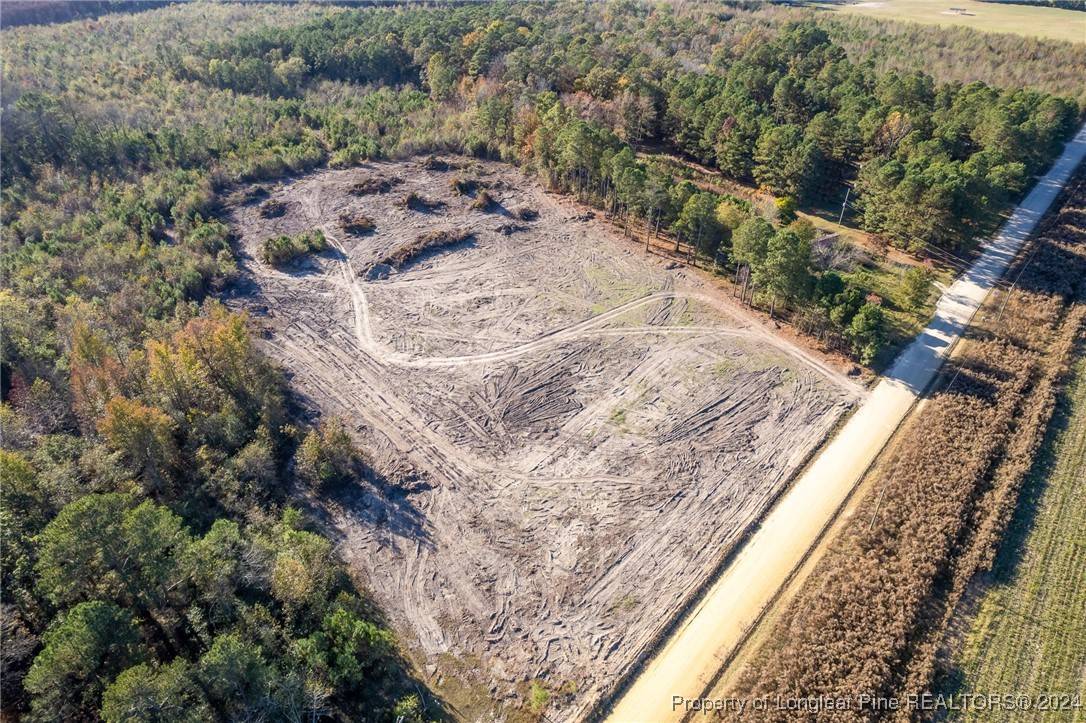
[[688, 663], [559, 428]]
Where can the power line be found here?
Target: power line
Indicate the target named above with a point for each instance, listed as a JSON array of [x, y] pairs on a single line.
[[1036, 244]]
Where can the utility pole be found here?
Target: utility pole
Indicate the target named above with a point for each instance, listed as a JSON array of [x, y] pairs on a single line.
[[844, 203]]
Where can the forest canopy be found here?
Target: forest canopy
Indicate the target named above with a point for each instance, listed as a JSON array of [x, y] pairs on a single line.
[[152, 551]]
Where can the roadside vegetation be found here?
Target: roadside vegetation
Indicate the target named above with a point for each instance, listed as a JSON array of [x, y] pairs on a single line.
[[875, 612], [144, 434], [1026, 632], [842, 259]]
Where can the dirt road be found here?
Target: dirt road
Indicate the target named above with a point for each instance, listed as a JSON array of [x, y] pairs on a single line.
[[717, 625]]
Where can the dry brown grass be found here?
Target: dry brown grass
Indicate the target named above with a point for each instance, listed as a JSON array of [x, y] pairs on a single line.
[[873, 615]]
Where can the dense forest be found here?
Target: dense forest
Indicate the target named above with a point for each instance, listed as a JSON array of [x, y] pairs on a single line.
[[153, 564], [32, 12], [961, 55]]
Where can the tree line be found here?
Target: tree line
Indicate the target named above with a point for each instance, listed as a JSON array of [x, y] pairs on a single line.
[[150, 551], [876, 615], [927, 163], [151, 567]]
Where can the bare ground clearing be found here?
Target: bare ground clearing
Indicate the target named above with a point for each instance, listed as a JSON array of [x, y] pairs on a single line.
[[578, 432]]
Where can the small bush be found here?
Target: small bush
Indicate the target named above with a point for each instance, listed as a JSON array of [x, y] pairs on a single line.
[[282, 250], [917, 285], [786, 209], [538, 697], [327, 456], [272, 209], [484, 202], [524, 213], [408, 710]]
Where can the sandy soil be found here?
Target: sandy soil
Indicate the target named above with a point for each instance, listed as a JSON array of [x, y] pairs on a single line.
[[710, 635], [568, 435]]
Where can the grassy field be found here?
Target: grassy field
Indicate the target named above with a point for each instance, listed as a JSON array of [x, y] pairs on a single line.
[[1039, 22], [1029, 634]]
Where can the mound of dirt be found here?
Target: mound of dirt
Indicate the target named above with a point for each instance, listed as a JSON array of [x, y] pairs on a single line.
[[372, 185], [272, 209], [356, 224], [467, 186], [427, 242], [433, 163], [418, 202]]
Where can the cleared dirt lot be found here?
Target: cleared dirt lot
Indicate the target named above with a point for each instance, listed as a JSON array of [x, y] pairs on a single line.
[[569, 434]]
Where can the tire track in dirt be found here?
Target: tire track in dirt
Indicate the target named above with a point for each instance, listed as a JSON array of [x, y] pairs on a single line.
[[362, 328], [574, 480], [379, 406], [578, 330]]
